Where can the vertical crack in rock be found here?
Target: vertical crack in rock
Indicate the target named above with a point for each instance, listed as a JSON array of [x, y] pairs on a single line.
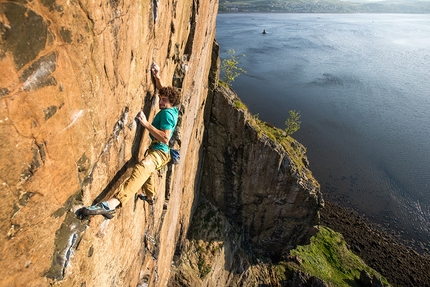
[[155, 9], [121, 124], [149, 103], [181, 68], [189, 46], [87, 14]]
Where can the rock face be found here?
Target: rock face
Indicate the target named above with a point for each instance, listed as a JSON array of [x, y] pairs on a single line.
[[73, 75], [256, 182]]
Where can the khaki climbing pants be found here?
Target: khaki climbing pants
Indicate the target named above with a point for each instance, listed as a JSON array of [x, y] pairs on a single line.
[[143, 175]]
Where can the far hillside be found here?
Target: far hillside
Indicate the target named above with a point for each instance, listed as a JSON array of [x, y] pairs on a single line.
[[325, 6]]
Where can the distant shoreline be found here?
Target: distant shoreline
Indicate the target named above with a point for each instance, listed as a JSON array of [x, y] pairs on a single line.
[[326, 6], [282, 12]]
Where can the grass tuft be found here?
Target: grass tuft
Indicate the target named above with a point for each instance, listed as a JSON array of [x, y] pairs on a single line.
[[240, 105], [327, 257]]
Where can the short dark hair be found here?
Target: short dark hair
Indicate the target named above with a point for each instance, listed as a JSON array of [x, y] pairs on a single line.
[[172, 93]]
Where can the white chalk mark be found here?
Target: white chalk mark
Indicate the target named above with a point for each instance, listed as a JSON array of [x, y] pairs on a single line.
[[75, 117], [45, 69]]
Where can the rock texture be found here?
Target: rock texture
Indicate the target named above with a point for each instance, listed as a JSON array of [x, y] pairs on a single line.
[[256, 182], [73, 75], [217, 253]]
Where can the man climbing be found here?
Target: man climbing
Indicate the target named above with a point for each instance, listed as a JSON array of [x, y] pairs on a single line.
[[157, 155]]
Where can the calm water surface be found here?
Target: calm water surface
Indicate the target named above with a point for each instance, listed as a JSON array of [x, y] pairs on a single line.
[[362, 85]]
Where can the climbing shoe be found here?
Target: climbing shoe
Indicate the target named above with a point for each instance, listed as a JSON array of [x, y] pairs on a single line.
[[145, 198], [101, 208]]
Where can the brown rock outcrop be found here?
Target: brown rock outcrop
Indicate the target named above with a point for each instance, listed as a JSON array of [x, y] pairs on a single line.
[[256, 182], [216, 253], [73, 74]]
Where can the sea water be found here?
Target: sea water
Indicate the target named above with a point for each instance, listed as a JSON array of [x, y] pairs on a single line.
[[361, 83]]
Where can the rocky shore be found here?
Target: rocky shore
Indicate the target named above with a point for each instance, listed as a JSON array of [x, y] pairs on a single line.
[[401, 265]]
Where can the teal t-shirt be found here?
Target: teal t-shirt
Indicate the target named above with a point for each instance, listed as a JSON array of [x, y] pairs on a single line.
[[165, 120]]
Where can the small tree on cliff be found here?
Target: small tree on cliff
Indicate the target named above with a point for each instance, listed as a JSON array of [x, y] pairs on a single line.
[[292, 123], [230, 69]]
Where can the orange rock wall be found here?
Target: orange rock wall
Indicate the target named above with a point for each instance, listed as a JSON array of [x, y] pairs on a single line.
[[73, 75]]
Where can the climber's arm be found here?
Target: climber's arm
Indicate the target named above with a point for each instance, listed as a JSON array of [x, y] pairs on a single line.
[[155, 69], [161, 135]]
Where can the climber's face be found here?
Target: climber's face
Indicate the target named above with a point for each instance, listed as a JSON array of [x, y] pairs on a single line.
[[163, 102]]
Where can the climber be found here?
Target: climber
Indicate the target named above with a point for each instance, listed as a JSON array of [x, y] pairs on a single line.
[[156, 157]]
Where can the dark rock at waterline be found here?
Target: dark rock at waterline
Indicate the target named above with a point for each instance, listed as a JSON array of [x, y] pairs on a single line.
[[401, 265]]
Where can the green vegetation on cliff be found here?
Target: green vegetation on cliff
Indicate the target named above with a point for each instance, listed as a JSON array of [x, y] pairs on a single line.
[[328, 258], [229, 67], [295, 150], [292, 122]]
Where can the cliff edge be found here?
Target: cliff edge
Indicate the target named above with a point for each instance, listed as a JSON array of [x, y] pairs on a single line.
[[262, 185]]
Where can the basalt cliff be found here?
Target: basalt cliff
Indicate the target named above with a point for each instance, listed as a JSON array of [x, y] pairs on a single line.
[[73, 76]]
